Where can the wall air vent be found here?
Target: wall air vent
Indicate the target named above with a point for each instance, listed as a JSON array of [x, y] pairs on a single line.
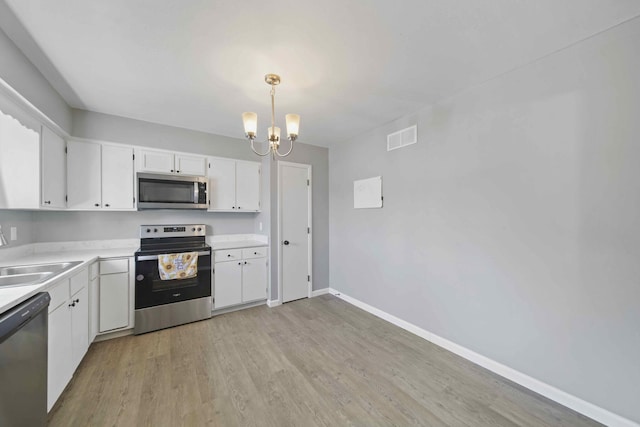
[[402, 138]]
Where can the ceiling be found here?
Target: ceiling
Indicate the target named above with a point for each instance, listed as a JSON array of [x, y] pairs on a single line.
[[346, 66]]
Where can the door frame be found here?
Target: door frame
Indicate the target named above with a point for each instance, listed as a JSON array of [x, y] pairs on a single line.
[[309, 222]]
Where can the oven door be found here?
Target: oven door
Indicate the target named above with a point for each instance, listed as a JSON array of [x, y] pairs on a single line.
[[152, 291]]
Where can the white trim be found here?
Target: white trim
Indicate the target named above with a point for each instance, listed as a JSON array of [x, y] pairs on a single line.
[[589, 409], [319, 292], [33, 111], [309, 222], [273, 303]]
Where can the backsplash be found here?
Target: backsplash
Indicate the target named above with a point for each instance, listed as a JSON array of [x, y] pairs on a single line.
[[23, 221], [73, 226]]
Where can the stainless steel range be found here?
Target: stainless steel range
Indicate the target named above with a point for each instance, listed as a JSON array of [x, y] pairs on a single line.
[[173, 276]]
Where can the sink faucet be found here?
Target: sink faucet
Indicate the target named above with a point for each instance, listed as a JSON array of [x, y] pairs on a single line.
[[3, 241]]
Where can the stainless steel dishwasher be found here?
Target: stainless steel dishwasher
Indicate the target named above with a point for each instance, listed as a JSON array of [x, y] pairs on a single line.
[[23, 363]]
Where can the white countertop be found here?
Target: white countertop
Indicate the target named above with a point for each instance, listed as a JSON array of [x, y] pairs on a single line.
[[237, 244], [12, 296], [88, 252], [237, 241]]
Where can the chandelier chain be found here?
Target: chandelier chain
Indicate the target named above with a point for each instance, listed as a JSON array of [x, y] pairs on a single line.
[[273, 110]]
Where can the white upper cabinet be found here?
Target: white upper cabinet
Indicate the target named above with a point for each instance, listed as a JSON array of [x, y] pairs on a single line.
[[190, 165], [172, 163], [248, 186], [99, 176], [234, 185], [54, 169], [155, 161], [222, 184], [19, 164], [83, 175], [117, 177]]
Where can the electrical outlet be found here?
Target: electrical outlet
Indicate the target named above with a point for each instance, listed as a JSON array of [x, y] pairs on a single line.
[[14, 233]]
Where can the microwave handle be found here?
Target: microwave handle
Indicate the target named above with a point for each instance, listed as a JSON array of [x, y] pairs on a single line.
[[152, 257], [196, 192]]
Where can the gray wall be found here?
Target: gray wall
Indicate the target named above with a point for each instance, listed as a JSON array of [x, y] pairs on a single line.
[[24, 77], [23, 221], [318, 158], [511, 227], [106, 127], [73, 226]]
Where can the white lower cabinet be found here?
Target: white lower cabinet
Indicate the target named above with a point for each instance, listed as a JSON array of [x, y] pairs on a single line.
[[228, 284], [68, 332], [254, 279], [114, 300], [59, 368], [240, 276]]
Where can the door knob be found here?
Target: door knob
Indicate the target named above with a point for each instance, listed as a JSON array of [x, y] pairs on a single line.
[[286, 242]]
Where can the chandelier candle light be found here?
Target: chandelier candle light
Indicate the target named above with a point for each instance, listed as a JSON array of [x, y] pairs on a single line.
[[250, 121]]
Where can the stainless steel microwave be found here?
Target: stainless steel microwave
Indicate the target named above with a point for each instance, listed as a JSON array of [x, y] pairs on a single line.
[[159, 191]]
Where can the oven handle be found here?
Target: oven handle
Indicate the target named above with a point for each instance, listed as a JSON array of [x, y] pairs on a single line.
[[152, 257]]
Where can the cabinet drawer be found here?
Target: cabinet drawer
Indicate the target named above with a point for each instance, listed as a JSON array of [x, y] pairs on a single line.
[[79, 281], [228, 255], [111, 266], [59, 294], [254, 252], [94, 270]]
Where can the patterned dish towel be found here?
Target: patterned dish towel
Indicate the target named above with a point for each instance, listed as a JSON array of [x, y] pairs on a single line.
[[178, 266]]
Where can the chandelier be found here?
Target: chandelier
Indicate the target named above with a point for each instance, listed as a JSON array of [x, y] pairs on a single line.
[[250, 121]]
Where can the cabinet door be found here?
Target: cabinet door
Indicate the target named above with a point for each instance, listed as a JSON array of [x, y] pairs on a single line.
[[114, 301], [83, 175], [156, 161], [117, 177], [54, 170], [254, 279], [19, 164], [60, 356], [248, 186], [191, 165], [227, 281], [79, 325], [222, 185]]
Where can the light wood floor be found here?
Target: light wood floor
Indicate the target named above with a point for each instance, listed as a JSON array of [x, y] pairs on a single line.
[[314, 362]]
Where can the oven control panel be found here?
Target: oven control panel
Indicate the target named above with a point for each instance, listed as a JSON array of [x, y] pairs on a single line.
[[182, 230]]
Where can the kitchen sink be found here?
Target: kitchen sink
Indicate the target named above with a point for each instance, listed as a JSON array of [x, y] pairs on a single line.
[[22, 275], [23, 279], [37, 268]]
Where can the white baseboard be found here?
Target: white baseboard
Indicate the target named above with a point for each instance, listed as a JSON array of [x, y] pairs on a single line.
[[273, 303], [319, 292], [589, 409]]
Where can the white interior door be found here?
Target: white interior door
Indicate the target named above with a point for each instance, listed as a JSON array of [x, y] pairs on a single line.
[[295, 220]]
